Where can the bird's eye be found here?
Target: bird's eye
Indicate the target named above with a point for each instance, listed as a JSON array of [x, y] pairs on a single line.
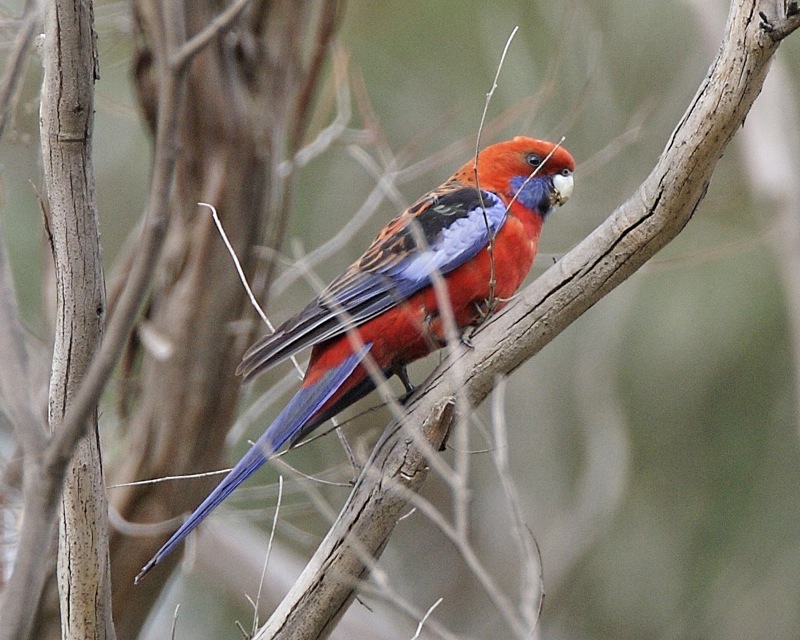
[[533, 160], [566, 172]]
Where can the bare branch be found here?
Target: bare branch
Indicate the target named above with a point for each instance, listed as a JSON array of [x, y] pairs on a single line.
[[67, 114], [343, 548], [67, 122], [782, 25], [531, 591]]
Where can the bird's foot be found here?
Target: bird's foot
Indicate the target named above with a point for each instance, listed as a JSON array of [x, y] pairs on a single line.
[[402, 373], [483, 309]]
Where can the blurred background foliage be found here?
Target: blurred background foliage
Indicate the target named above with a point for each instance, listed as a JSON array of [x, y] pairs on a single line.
[[654, 443]]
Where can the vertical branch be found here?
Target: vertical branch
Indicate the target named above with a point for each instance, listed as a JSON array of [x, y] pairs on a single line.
[[67, 114]]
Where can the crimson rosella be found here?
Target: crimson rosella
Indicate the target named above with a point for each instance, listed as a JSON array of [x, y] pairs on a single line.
[[388, 299]]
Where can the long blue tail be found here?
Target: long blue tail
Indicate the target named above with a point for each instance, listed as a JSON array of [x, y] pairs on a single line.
[[288, 424]]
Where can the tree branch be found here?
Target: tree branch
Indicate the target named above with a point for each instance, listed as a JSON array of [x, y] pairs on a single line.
[[67, 116], [67, 120], [119, 328], [655, 214]]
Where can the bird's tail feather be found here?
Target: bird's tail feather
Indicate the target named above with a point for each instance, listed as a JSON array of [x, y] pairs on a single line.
[[301, 408]]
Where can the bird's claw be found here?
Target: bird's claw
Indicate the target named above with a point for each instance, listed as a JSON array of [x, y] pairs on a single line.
[[484, 309], [766, 24], [402, 374]]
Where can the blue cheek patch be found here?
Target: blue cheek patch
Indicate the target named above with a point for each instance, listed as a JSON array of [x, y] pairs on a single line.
[[533, 194]]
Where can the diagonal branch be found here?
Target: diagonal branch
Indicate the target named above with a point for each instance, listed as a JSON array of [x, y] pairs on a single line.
[[213, 29]]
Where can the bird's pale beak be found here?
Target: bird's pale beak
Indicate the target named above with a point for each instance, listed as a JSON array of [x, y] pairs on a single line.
[[562, 188]]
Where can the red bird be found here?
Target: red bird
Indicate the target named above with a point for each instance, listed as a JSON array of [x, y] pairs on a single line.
[[387, 296]]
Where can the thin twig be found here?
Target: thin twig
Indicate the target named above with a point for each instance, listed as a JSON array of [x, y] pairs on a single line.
[[490, 247], [219, 25], [185, 476], [531, 594], [490, 94], [425, 618], [388, 594], [269, 551], [238, 265], [243, 279], [174, 628]]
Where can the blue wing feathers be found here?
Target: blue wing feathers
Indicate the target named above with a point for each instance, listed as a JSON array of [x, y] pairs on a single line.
[[289, 424]]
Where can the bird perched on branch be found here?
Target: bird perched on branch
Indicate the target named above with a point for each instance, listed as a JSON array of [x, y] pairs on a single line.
[[478, 231]]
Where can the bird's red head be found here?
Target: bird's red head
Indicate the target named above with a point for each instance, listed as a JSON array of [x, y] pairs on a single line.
[[506, 168]]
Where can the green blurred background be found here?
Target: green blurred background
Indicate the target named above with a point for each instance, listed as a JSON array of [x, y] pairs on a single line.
[[654, 444]]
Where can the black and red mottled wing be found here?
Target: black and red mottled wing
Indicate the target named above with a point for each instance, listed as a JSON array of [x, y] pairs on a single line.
[[439, 232]]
